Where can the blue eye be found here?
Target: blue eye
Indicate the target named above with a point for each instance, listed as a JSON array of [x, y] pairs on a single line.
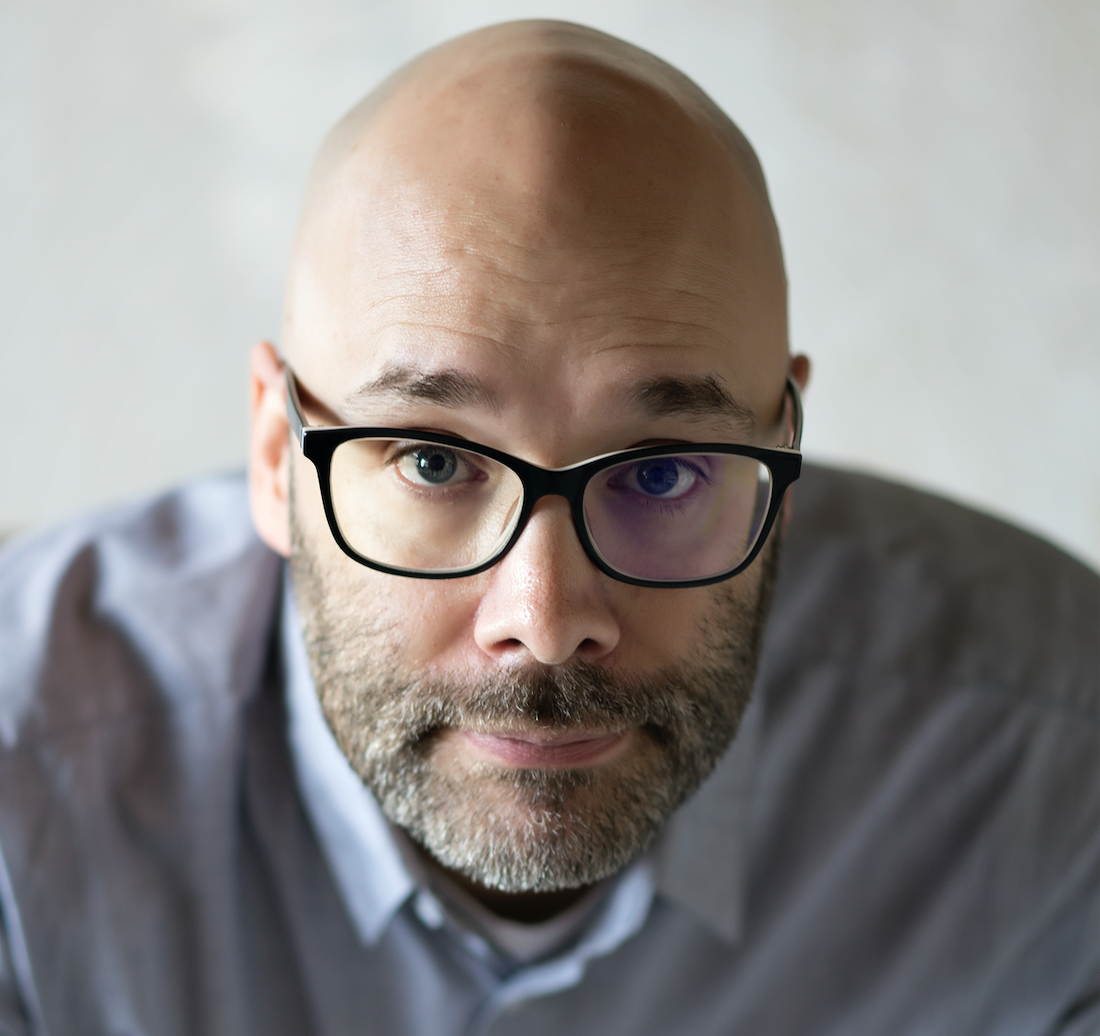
[[435, 464], [428, 466], [658, 477], [668, 478]]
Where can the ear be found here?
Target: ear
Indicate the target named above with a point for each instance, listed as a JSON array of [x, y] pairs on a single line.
[[799, 367], [269, 449]]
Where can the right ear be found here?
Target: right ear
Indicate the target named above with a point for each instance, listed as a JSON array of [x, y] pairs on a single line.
[[269, 448]]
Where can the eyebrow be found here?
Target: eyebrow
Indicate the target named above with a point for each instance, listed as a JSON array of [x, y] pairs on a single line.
[[448, 388], [691, 397], [665, 396]]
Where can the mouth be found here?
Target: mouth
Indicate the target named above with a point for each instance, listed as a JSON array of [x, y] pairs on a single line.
[[544, 750]]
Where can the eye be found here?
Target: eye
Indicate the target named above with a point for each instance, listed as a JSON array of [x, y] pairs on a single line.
[[666, 477], [428, 465]]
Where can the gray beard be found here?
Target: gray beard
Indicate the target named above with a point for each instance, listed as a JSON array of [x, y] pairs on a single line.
[[529, 830]]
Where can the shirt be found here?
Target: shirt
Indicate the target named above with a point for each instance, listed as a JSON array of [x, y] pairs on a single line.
[[904, 839]]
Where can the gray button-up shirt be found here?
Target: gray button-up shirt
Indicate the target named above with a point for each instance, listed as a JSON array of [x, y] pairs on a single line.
[[903, 839]]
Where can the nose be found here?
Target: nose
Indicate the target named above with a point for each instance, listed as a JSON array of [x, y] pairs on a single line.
[[546, 600]]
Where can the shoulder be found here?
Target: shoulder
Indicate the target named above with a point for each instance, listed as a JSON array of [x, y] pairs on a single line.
[[885, 579], [156, 598], [927, 799], [130, 645]]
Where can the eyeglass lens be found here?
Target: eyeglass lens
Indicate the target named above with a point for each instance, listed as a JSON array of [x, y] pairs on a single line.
[[687, 516], [431, 508]]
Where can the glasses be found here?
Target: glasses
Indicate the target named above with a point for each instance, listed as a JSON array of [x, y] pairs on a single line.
[[431, 506]]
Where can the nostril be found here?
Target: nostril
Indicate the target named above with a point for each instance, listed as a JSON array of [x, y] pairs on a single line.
[[505, 647]]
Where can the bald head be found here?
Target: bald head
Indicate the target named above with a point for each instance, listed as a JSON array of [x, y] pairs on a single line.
[[496, 79], [514, 151]]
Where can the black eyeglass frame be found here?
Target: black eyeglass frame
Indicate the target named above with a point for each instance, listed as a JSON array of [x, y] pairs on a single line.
[[319, 443]]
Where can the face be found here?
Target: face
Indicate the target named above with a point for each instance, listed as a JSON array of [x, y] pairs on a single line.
[[531, 726]]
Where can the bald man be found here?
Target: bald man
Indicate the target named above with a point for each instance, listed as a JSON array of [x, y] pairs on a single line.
[[483, 754]]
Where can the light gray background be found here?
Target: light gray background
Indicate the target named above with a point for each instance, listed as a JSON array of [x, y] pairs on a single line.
[[934, 167]]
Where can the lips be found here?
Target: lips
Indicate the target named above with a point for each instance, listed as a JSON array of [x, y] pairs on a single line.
[[530, 750]]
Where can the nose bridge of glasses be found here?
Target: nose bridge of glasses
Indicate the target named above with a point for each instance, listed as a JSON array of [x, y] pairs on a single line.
[[540, 483]]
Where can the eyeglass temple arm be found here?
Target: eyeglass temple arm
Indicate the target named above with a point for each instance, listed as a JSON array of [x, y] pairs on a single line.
[[796, 403], [294, 408]]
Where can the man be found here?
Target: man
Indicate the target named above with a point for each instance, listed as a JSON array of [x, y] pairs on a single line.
[[483, 759]]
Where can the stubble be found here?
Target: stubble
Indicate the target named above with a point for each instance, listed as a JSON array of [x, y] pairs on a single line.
[[528, 830]]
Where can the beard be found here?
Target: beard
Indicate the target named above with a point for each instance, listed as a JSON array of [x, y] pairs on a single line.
[[515, 829]]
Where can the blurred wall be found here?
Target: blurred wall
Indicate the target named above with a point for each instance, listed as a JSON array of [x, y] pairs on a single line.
[[934, 168]]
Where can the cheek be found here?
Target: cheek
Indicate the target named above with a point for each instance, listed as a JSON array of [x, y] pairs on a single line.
[[432, 620], [426, 623], [663, 628], [671, 627]]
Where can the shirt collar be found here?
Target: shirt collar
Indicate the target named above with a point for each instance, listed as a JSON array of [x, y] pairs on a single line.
[[701, 853], [697, 862]]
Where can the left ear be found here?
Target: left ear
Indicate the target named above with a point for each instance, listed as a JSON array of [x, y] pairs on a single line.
[[269, 449], [799, 367]]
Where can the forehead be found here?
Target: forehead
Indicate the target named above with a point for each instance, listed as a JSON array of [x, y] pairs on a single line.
[[501, 324]]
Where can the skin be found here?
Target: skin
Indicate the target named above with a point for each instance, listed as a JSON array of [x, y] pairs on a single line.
[[546, 219]]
